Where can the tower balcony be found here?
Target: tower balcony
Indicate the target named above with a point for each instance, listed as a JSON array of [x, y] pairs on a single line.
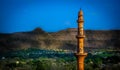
[[80, 36], [80, 21]]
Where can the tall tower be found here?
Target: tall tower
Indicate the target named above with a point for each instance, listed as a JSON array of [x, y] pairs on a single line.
[[80, 55]]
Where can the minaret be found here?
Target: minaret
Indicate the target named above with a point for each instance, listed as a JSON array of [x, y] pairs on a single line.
[[80, 55]]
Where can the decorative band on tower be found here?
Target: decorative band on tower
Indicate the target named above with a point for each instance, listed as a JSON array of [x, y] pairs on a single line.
[[80, 55]]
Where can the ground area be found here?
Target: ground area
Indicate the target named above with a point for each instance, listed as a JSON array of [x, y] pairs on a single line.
[[41, 59]]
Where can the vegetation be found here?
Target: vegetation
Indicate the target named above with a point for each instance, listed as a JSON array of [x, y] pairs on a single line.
[[39, 59]]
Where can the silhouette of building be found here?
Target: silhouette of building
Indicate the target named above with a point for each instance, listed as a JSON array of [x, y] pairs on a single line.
[[80, 55]]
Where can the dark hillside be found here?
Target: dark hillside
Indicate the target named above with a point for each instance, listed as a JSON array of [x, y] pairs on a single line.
[[64, 39]]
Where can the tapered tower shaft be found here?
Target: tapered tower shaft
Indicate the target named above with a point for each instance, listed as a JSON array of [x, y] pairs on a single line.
[[80, 55]]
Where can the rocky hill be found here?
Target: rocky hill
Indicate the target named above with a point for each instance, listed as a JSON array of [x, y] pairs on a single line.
[[64, 39]]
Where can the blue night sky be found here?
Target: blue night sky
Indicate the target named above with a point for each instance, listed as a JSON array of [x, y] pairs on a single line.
[[55, 15]]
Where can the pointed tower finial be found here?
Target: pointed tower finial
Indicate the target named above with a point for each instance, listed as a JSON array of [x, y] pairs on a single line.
[[80, 16], [80, 12], [80, 9]]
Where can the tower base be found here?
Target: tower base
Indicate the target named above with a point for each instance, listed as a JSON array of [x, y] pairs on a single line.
[[80, 60]]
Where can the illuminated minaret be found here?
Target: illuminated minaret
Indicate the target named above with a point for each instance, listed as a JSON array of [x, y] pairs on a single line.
[[80, 55]]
